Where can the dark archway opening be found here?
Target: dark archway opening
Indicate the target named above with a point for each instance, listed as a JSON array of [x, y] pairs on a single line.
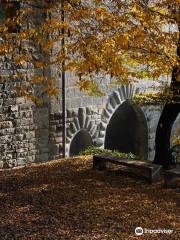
[[127, 130], [80, 142]]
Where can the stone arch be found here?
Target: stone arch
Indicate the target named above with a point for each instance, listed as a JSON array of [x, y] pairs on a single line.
[[80, 142], [82, 126], [127, 130], [119, 100]]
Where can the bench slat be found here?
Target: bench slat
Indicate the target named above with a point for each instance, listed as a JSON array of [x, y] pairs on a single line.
[[147, 169]]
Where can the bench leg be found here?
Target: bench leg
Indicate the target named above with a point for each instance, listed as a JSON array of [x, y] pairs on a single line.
[[99, 164], [168, 181], [155, 176]]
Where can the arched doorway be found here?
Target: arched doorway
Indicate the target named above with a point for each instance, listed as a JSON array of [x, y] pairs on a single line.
[[127, 130], [80, 142]]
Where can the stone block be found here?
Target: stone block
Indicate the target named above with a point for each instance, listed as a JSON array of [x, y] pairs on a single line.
[[76, 102], [6, 124], [12, 163], [6, 139], [30, 159], [20, 100], [21, 155], [58, 139], [18, 137], [21, 161], [23, 107], [30, 134]]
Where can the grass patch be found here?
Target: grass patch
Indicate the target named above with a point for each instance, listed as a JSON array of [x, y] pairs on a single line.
[[92, 150]]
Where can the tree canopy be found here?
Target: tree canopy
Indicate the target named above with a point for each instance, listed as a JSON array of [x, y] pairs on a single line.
[[128, 40]]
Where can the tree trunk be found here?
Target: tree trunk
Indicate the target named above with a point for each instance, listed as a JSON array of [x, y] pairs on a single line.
[[169, 114], [163, 133], [168, 117]]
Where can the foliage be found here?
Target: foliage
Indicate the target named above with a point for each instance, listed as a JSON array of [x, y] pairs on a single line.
[[127, 40], [176, 137], [165, 95], [92, 150], [175, 151]]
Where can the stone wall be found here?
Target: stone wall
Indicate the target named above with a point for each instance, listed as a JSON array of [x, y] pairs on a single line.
[[30, 133], [94, 113], [24, 127]]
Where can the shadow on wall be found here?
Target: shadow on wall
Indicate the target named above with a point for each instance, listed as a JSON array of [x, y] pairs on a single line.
[[127, 130]]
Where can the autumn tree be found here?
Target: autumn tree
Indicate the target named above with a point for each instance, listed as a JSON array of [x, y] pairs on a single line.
[[132, 41]]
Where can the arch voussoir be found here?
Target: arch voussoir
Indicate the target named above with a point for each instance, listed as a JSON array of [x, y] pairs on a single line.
[[123, 93], [83, 123]]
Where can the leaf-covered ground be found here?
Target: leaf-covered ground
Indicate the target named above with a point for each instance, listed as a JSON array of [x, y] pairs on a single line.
[[68, 200]]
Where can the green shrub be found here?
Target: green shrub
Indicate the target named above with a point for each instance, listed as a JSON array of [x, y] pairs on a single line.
[[92, 150]]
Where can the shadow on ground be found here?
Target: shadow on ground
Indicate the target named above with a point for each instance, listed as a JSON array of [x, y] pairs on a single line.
[[68, 200]]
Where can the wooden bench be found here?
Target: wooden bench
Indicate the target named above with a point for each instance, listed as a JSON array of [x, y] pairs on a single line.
[[145, 169], [172, 178]]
